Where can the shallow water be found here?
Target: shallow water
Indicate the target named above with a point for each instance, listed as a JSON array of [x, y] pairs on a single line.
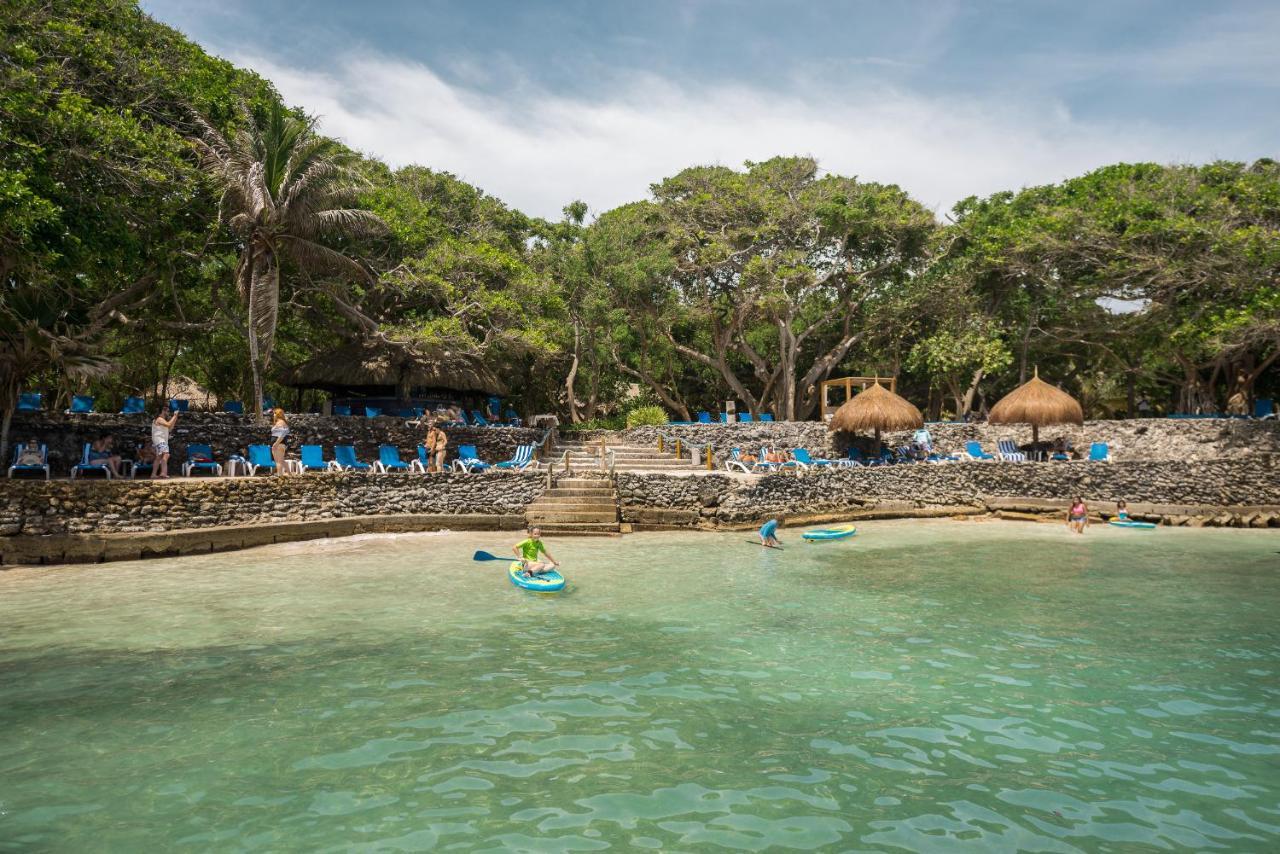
[[924, 686]]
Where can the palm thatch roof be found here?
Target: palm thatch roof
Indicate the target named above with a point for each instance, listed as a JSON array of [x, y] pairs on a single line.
[[1037, 403], [372, 363], [876, 409]]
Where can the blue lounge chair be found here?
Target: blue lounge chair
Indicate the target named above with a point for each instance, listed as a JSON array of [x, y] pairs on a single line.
[[704, 417], [746, 418], [81, 404], [233, 407], [313, 459], [522, 460], [42, 466], [29, 401], [345, 458], [342, 410], [763, 464], [1264, 407], [973, 450], [766, 416], [802, 457], [133, 406], [1009, 452], [477, 419], [513, 418], [372, 411], [734, 462], [725, 418], [389, 460], [85, 467], [268, 403], [468, 460], [179, 404], [853, 459], [1099, 453], [260, 458], [408, 413], [200, 458]]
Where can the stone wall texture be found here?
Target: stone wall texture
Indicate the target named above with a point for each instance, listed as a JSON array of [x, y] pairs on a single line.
[[106, 507], [1137, 439], [726, 499], [231, 434]]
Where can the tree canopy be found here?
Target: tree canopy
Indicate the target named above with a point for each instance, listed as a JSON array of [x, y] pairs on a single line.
[[752, 283]]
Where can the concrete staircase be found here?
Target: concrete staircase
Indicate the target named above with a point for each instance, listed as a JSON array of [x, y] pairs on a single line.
[[586, 457], [576, 505]]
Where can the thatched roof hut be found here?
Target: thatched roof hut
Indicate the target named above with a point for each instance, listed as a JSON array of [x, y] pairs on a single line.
[[1039, 404], [876, 409], [379, 367]]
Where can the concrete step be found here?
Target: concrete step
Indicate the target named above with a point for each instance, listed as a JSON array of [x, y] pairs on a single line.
[[576, 496], [558, 517], [581, 494], [595, 483], [581, 528]]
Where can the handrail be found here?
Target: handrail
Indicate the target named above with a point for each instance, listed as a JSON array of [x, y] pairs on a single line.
[[708, 447]]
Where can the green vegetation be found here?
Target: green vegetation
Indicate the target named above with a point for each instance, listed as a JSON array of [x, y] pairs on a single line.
[[162, 213], [647, 416]]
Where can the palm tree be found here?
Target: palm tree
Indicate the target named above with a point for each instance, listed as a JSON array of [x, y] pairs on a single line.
[[43, 330], [285, 191]]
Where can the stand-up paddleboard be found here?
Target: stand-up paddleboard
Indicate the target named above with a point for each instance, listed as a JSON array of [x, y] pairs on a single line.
[[767, 546], [547, 582], [837, 533], [1129, 523]]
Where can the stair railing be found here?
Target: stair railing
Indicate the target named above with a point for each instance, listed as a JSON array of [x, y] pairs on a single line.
[[707, 448]]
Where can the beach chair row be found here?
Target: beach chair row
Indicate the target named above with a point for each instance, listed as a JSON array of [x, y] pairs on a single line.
[[799, 459]]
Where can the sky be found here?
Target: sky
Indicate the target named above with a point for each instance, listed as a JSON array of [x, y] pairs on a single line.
[[541, 103]]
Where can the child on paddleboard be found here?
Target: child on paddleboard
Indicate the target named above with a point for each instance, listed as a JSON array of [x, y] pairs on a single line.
[[769, 533], [527, 550], [1122, 510]]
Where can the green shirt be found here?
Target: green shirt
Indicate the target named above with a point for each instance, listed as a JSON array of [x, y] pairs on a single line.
[[529, 548]]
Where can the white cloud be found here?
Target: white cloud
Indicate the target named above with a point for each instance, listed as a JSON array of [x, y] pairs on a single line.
[[538, 150]]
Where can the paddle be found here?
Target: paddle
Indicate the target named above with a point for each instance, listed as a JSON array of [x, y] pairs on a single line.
[[487, 556]]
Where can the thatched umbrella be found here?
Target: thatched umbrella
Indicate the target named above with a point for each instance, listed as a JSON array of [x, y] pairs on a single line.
[[877, 409], [1039, 404], [381, 363]]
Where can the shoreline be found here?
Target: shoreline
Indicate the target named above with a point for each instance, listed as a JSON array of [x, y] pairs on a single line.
[[59, 550]]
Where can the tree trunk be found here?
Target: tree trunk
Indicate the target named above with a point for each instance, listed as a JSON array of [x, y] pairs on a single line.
[[572, 378], [4, 429]]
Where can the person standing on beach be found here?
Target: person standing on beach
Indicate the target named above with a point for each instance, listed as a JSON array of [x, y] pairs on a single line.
[[1078, 516], [435, 443], [160, 429]]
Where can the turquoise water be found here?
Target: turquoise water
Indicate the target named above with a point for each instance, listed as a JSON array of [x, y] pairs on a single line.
[[924, 686]]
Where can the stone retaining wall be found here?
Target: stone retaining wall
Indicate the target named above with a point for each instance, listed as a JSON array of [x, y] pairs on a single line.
[[231, 434], [31, 507], [1137, 439], [721, 499]]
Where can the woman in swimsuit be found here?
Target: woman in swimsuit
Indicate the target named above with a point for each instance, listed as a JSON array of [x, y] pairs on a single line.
[[160, 429], [279, 438], [436, 442], [1122, 510], [1078, 516]]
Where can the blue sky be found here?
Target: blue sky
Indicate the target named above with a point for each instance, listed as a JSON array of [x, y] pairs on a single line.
[[540, 103]]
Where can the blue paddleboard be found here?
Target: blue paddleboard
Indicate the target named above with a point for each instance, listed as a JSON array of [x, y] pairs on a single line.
[[838, 533], [1129, 523], [548, 582]]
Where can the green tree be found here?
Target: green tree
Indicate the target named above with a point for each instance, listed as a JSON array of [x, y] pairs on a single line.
[[286, 195]]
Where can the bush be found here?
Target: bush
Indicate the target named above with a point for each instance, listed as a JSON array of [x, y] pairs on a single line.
[[646, 416]]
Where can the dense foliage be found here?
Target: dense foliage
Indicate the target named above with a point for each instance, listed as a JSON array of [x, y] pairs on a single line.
[[117, 250]]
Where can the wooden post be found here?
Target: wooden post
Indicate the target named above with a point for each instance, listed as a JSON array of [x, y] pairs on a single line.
[[660, 443], [710, 457], [677, 448]]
